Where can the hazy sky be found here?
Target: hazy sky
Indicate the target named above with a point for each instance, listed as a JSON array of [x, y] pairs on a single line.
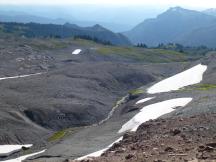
[[184, 3]]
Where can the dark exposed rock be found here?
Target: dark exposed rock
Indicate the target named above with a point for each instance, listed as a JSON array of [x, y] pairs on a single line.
[[175, 131], [169, 149], [129, 156], [211, 144]]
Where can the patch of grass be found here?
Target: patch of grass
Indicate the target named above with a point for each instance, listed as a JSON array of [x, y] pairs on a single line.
[[63, 133], [53, 43], [84, 42], [201, 87], [57, 136], [205, 87], [115, 50], [204, 98], [49, 43], [136, 92], [142, 54], [167, 52], [28, 151]]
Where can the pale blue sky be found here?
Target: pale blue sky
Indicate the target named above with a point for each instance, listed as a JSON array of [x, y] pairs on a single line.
[[184, 3]]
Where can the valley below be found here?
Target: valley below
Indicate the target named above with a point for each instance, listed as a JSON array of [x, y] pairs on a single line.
[[71, 97]]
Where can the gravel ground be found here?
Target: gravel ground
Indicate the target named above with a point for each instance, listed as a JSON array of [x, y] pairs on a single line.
[[78, 91]]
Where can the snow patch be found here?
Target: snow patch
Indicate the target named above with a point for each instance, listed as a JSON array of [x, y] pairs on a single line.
[[76, 52], [8, 149], [20, 76], [20, 159], [144, 100], [191, 76], [153, 111], [95, 154], [100, 152]]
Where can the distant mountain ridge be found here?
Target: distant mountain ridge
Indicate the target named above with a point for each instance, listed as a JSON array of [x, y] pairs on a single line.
[[210, 11], [22, 17], [177, 25], [64, 31]]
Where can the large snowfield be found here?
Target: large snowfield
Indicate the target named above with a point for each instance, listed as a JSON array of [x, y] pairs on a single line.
[[191, 76], [153, 111], [7, 149]]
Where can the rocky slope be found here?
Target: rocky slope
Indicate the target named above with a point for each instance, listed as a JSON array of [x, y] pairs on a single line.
[[186, 134], [173, 139], [195, 122], [69, 93]]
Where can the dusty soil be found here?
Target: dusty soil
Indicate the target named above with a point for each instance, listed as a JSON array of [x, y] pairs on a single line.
[[173, 139]]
